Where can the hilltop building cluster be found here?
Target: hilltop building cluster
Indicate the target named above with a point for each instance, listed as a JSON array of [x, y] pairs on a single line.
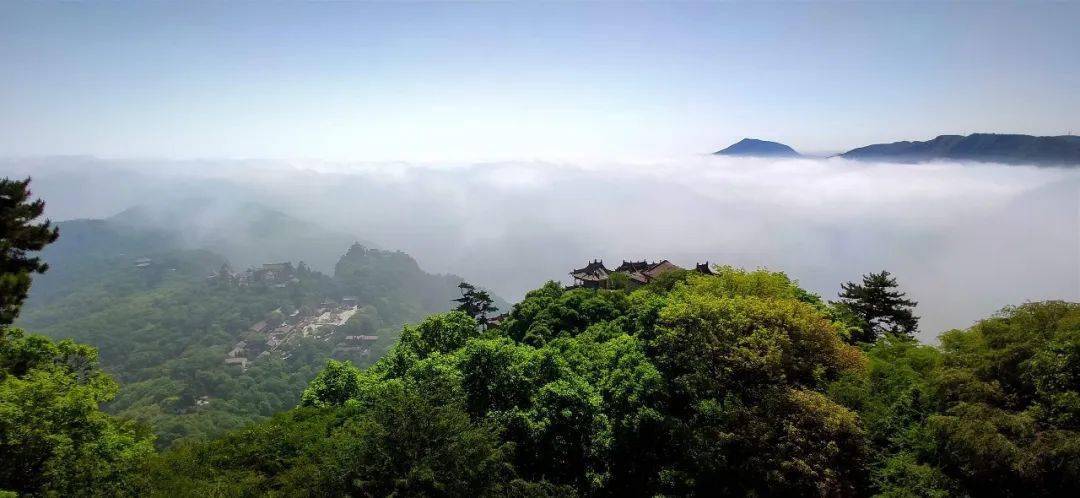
[[636, 273], [270, 274], [278, 329]]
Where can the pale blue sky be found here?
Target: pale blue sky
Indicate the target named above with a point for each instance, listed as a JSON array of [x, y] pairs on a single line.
[[519, 81]]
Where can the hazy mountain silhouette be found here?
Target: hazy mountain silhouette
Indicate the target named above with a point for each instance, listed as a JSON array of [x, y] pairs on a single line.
[[758, 148], [245, 233], [989, 147]]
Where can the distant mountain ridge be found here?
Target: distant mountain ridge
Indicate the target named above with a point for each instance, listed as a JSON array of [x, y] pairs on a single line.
[[1062, 150], [987, 147], [758, 148], [245, 233]]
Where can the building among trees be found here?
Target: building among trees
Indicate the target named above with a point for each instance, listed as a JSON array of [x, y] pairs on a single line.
[[597, 276], [275, 274]]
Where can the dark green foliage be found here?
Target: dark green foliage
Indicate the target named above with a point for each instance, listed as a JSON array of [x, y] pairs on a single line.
[[617, 393], [894, 399], [879, 308], [408, 446], [336, 384], [392, 442], [551, 312], [1009, 391], [734, 384], [741, 383], [989, 413], [442, 333], [20, 235]]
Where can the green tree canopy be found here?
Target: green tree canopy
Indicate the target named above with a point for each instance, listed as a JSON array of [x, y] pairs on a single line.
[[339, 382], [992, 412], [620, 392], [738, 383], [1010, 393], [54, 439]]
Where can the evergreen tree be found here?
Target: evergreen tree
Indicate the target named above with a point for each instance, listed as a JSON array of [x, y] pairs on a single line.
[[880, 307], [19, 235], [475, 303]]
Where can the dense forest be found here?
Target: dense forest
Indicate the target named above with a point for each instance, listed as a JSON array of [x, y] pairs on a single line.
[[736, 383], [163, 329]]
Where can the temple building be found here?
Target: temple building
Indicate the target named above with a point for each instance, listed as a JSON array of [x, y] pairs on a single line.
[[597, 276], [275, 274], [594, 275]]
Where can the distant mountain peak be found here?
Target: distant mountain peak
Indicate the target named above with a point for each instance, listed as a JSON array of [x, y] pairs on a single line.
[[758, 148]]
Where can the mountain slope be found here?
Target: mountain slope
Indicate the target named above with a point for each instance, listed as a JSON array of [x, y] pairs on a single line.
[[164, 329], [758, 148], [987, 147], [245, 233], [89, 250]]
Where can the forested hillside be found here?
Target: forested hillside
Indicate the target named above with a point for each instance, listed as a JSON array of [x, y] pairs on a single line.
[[163, 329], [713, 382], [738, 384]]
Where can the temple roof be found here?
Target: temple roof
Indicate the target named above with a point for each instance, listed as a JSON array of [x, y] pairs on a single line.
[[660, 268], [593, 268], [633, 266], [640, 272], [591, 277]]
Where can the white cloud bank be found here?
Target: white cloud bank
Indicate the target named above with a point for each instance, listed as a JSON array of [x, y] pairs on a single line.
[[963, 239]]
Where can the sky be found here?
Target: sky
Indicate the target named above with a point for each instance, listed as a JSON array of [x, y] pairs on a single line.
[[510, 142], [470, 82]]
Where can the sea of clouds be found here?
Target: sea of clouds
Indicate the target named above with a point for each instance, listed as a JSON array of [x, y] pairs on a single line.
[[964, 239]]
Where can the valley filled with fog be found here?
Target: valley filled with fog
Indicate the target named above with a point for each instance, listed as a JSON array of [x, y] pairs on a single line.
[[963, 239]]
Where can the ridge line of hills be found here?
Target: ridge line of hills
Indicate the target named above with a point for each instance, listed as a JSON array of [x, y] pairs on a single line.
[[1062, 150]]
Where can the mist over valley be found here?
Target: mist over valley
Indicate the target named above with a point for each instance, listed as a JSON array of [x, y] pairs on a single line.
[[950, 231]]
